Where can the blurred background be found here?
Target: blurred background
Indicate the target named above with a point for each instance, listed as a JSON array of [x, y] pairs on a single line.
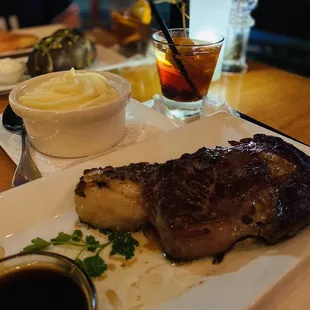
[[280, 36]]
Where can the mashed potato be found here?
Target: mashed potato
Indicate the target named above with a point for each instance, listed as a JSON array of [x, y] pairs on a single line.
[[70, 91]]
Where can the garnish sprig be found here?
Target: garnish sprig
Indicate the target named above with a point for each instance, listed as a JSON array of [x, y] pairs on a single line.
[[122, 244]]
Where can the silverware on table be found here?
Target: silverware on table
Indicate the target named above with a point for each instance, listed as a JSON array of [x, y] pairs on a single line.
[[26, 170]]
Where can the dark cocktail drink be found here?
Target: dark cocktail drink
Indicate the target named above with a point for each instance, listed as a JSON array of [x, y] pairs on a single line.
[[132, 27], [199, 59]]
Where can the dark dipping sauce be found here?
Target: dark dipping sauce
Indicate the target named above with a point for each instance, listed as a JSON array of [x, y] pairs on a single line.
[[40, 287]]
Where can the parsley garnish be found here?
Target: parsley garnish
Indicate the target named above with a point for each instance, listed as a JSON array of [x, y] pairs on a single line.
[[121, 244], [95, 265]]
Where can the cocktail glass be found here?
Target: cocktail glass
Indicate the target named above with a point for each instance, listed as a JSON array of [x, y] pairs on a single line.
[[132, 27], [199, 59]]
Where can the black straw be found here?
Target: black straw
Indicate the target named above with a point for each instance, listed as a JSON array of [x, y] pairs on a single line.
[[256, 122], [173, 49]]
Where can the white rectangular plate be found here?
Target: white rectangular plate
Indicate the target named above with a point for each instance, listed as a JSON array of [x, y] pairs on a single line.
[[142, 123], [291, 293], [45, 207]]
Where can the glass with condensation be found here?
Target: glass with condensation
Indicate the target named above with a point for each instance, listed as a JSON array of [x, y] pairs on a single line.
[[132, 27], [199, 59]]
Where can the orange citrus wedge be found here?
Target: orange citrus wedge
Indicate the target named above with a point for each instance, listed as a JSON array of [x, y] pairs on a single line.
[[142, 10]]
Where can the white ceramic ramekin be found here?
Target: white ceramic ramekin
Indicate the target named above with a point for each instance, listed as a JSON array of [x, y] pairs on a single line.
[[74, 133]]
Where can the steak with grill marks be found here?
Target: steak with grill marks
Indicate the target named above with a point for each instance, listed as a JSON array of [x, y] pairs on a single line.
[[203, 203]]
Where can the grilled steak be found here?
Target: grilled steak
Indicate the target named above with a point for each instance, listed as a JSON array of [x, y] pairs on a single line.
[[203, 203]]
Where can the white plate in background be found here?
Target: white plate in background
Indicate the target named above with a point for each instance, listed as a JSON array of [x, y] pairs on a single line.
[[105, 58], [45, 207], [40, 32]]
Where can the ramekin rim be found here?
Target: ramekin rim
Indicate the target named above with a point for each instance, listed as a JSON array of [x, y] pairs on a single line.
[[14, 101]]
